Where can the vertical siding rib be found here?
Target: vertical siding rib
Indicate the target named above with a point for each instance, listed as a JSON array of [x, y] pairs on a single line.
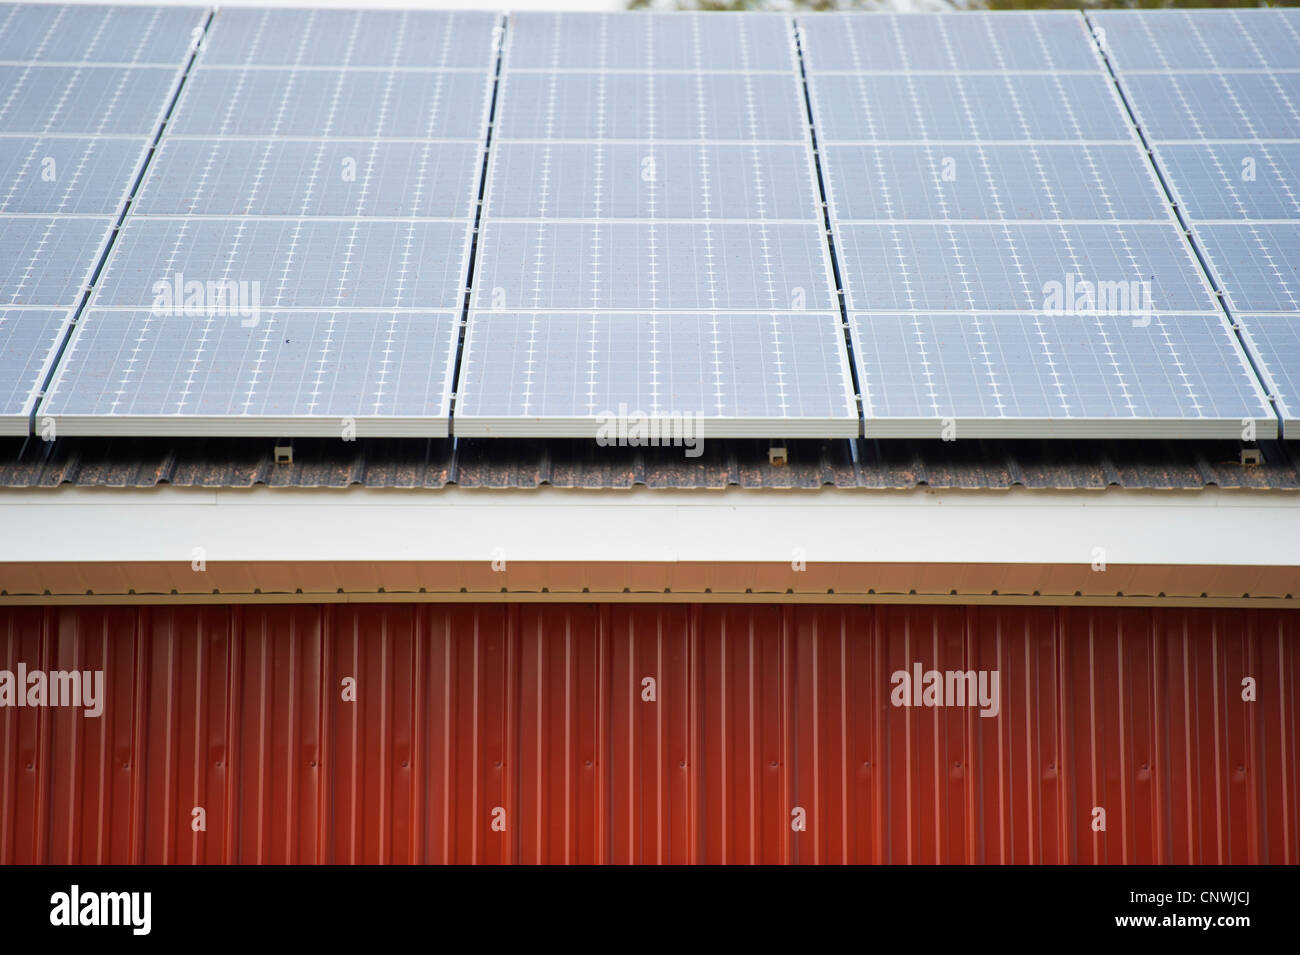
[[538, 710]]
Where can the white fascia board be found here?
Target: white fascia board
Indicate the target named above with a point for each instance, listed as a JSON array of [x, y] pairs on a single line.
[[1206, 527]]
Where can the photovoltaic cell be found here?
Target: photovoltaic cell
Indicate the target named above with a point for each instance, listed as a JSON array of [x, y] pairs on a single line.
[[86, 33], [29, 339], [67, 176], [297, 263], [415, 39], [971, 181], [314, 178], [342, 103], [558, 374], [633, 265], [594, 180], [725, 42], [1054, 375], [317, 372]]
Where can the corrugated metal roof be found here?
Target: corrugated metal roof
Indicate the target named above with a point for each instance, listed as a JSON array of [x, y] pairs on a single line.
[[500, 463], [535, 717]]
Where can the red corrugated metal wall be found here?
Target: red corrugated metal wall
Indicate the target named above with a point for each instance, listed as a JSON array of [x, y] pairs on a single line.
[[539, 710]]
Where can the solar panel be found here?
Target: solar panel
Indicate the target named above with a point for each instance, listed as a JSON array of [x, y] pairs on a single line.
[[652, 238], [301, 262], [51, 175], [1107, 181], [429, 104], [77, 33], [709, 180], [572, 374], [353, 38], [1275, 341], [295, 260], [47, 260], [645, 42], [330, 373], [229, 177], [1217, 95], [1021, 374], [1010, 263], [93, 100], [919, 42], [1205, 39], [29, 339]]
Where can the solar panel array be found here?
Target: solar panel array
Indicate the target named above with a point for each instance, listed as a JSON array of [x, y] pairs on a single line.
[[1010, 262], [296, 222], [295, 259], [1217, 95], [651, 242], [81, 92]]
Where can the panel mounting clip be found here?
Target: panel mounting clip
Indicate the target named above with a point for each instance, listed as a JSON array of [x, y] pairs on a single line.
[[284, 454], [1250, 457], [778, 455]]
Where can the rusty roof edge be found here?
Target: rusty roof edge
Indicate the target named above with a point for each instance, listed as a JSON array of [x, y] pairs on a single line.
[[431, 464]]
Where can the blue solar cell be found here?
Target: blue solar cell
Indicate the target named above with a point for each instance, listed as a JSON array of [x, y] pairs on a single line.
[[29, 339], [121, 34], [355, 38], [49, 175], [1235, 180], [960, 181], [1053, 372], [320, 103], [581, 265], [652, 181], [48, 260], [91, 100], [1258, 265], [298, 177], [292, 373], [1216, 105], [1017, 266], [752, 41], [1012, 106], [972, 41], [295, 263], [728, 106], [522, 368]]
